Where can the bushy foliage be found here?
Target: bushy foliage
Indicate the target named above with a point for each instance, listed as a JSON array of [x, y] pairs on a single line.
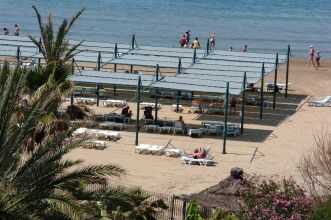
[[270, 199], [322, 211]]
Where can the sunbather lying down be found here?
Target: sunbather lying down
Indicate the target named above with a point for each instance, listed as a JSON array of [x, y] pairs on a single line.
[[198, 154]]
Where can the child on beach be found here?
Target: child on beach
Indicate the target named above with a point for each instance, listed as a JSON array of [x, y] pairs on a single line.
[[317, 59], [311, 56], [245, 48], [195, 44]]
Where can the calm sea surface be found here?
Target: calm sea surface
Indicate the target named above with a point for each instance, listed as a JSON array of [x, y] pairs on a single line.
[[264, 25]]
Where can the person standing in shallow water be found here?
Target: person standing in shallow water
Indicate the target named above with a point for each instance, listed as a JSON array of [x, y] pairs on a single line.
[[245, 48], [182, 41], [212, 40], [16, 30], [187, 36], [311, 56], [196, 44]]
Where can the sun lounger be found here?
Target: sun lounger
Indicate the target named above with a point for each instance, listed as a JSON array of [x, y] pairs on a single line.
[[156, 150], [80, 132], [106, 135], [142, 148], [208, 160], [95, 144], [192, 161], [324, 102], [173, 152]]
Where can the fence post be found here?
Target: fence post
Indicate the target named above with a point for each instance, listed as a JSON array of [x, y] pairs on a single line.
[[184, 210], [172, 207], [194, 55]]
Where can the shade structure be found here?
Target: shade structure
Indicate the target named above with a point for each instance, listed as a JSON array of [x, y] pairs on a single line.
[[201, 70]]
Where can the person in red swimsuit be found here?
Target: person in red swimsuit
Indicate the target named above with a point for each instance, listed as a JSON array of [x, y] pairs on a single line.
[[183, 41]]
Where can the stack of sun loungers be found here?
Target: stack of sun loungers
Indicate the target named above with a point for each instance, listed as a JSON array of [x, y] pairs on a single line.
[[324, 102], [95, 144], [207, 160], [149, 149]]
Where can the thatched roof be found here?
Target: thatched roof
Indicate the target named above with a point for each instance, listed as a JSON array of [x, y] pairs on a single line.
[[224, 195]]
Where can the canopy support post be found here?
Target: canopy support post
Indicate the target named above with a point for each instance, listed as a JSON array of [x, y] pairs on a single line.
[[207, 47], [275, 83], [133, 41], [138, 104], [97, 93], [287, 68], [177, 103], [243, 105], [194, 55], [179, 68], [261, 91], [156, 92], [99, 62], [225, 117]]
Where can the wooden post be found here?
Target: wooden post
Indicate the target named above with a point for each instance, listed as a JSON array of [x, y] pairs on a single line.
[[133, 41], [194, 55], [97, 93], [73, 65]]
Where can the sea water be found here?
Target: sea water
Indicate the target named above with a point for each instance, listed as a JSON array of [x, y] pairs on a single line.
[[266, 26]]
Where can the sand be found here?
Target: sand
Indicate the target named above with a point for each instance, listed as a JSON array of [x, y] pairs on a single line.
[[282, 137]]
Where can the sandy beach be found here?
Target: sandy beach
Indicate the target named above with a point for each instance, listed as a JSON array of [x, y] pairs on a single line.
[[282, 137]]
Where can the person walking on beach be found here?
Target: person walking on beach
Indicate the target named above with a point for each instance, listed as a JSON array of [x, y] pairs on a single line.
[[311, 56], [16, 30], [212, 40], [245, 48], [317, 59], [187, 36], [231, 48], [196, 44], [183, 42]]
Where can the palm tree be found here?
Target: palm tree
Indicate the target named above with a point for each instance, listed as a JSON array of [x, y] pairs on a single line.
[[41, 183]]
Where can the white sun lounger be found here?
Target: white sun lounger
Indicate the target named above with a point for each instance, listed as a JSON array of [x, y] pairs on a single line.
[[95, 144], [324, 102], [102, 134], [191, 161], [142, 148], [80, 132], [208, 160]]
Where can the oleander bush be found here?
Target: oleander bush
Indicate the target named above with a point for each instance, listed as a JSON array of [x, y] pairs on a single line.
[[267, 199]]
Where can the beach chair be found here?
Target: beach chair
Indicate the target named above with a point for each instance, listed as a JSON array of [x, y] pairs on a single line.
[[179, 128], [95, 144], [324, 102], [142, 148], [208, 160], [80, 132]]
